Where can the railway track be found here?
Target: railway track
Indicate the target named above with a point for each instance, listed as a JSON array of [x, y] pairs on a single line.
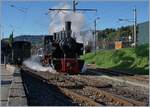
[[103, 71], [79, 92], [42, 92], [127, 91], [109, 72], [139, 78]]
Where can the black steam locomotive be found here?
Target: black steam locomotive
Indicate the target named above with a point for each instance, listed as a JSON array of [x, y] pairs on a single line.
[[62, 51]]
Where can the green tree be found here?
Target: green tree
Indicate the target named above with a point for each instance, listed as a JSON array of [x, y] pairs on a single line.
[[112, 36], [11, 39]]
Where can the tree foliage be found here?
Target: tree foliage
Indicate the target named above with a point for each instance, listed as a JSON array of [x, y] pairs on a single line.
[[11, 39], [115, 34]]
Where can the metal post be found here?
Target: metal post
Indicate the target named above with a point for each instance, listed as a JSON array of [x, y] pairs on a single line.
[[5, 57], [95, 33], [74, 5], [95, 36], [135, 24], [12, 54], [1, 31]]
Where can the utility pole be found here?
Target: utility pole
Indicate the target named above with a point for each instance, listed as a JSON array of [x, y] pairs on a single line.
[[74, 5], [95, 36], [1, 36], [134, 21], [95, 24], [74, 9], [135, 25], [1, 31]]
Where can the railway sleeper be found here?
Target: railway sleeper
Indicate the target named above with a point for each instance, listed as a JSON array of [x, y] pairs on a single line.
[[113, 98], [80, 98]]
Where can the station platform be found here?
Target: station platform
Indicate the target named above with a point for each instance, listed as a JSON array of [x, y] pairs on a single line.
[[12, 90]]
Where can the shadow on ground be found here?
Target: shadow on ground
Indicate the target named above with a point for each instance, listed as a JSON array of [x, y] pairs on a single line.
[[43, 94]]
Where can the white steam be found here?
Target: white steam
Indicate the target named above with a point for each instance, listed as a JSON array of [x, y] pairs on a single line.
[[58, 19], [34, 64]]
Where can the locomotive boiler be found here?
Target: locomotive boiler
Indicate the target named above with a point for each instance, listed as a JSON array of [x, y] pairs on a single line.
[[62, 51]]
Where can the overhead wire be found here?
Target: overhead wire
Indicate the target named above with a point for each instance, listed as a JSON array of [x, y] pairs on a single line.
[[23, 10], [20, 9], [24, 19]]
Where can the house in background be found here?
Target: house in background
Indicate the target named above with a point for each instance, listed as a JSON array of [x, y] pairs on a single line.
[[125, 41]]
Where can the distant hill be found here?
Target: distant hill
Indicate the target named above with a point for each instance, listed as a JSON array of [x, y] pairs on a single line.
[[29, 38], [34, 39]]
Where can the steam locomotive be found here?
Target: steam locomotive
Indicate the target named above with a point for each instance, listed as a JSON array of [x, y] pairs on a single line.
[[61, 51]]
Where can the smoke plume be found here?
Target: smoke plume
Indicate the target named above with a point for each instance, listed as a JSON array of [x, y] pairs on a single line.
[[58, 19], [34, 64]]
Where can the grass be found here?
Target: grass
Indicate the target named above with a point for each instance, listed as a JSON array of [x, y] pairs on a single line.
[[134, 60]]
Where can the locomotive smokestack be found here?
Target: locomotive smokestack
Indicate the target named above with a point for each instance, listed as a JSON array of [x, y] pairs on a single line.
[[68, 28]]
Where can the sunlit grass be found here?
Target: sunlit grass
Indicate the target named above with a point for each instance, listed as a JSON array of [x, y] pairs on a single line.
[[133, 60]]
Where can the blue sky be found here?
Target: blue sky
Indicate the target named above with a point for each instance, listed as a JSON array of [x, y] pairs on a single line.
[[34, 20]]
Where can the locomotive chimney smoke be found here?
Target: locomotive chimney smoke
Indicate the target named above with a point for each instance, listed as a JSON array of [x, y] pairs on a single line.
[[77, 20], [68, 28]]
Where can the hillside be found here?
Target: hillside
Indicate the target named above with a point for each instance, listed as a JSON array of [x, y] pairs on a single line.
[[34, 39], [30, 38], [133, 60]]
